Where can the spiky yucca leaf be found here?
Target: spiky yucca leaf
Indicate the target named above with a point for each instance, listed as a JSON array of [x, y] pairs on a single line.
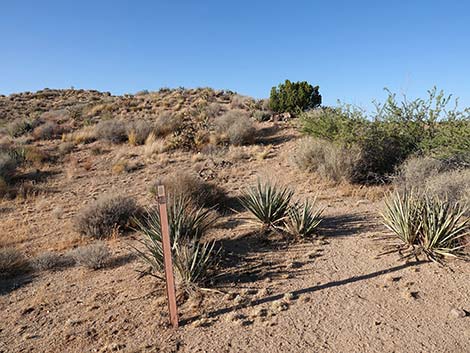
[[187, 224], [443, 227], [268, 203], [402, 215], [302, 219]]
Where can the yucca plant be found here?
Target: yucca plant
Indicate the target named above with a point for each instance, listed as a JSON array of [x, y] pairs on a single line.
[[268, 203], [303, 219], [443, 227], [402, 215], [192, 259]]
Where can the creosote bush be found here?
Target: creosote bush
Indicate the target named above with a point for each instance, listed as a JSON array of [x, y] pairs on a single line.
[[394, 132], [106, 215], [193, 259], [12, 262], [93, 256], [427, 224], [236, 127], [200, 192]]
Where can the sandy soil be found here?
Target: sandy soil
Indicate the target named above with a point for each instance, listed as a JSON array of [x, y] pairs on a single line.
[[331, 294]]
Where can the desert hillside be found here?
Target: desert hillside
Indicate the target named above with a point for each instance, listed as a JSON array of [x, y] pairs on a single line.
[[79, 170]]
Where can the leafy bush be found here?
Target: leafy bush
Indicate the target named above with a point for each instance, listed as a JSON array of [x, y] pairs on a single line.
[[105, 215], [427, 224], [111, 130], [236, 127], [294, 96], [192, 258], [268, 203], [394, 132], [12, 262], [303, 220], [198, 191], [328, 160], [93, 256]]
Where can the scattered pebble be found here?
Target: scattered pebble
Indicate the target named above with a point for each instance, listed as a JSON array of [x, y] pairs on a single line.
[[458, 313]]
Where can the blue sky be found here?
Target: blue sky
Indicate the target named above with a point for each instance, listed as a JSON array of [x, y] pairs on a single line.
[[352, 49]]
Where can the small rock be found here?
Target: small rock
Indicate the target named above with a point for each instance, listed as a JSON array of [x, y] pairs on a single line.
[[458, 313]]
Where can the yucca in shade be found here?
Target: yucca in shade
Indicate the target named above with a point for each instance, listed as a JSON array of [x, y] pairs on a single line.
[[443, 227], [268, 203], [303, 219], [192, 258]]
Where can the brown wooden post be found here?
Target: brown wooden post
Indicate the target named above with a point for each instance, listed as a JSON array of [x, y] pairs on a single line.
[[170, 279]]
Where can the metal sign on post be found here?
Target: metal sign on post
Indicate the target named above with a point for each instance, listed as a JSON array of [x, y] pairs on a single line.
[[170, 279]]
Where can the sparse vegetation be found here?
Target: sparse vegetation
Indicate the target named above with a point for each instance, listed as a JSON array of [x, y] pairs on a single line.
[[12, 262], [49, 261], [106, 215], [138, 132], [166, 123], [94, 256]]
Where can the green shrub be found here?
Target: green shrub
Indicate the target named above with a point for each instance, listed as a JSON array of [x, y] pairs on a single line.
[[294, 96], [192, 258], [104, 216], [395, 132], [268, 203]]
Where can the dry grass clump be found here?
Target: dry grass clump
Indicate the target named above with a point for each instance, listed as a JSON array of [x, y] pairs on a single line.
[[12, 262], [47, 131], [414, 171], [235, 127], [104, 216], [154, 145], [93, 256], [19, 127], [86, 134], [327, 159], [454, 186], [138, 132], [197, 190], [48, 261], [166, 123], [8, 165], [111, 130], [65, 148]]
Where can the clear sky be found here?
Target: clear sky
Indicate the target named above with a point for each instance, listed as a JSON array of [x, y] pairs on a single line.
[[352, 49]]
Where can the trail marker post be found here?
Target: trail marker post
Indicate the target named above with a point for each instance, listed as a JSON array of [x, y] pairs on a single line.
[[169, 277]]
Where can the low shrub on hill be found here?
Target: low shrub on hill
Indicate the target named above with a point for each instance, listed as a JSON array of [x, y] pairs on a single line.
[[106, 215], [294, 96], [236, 127]]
